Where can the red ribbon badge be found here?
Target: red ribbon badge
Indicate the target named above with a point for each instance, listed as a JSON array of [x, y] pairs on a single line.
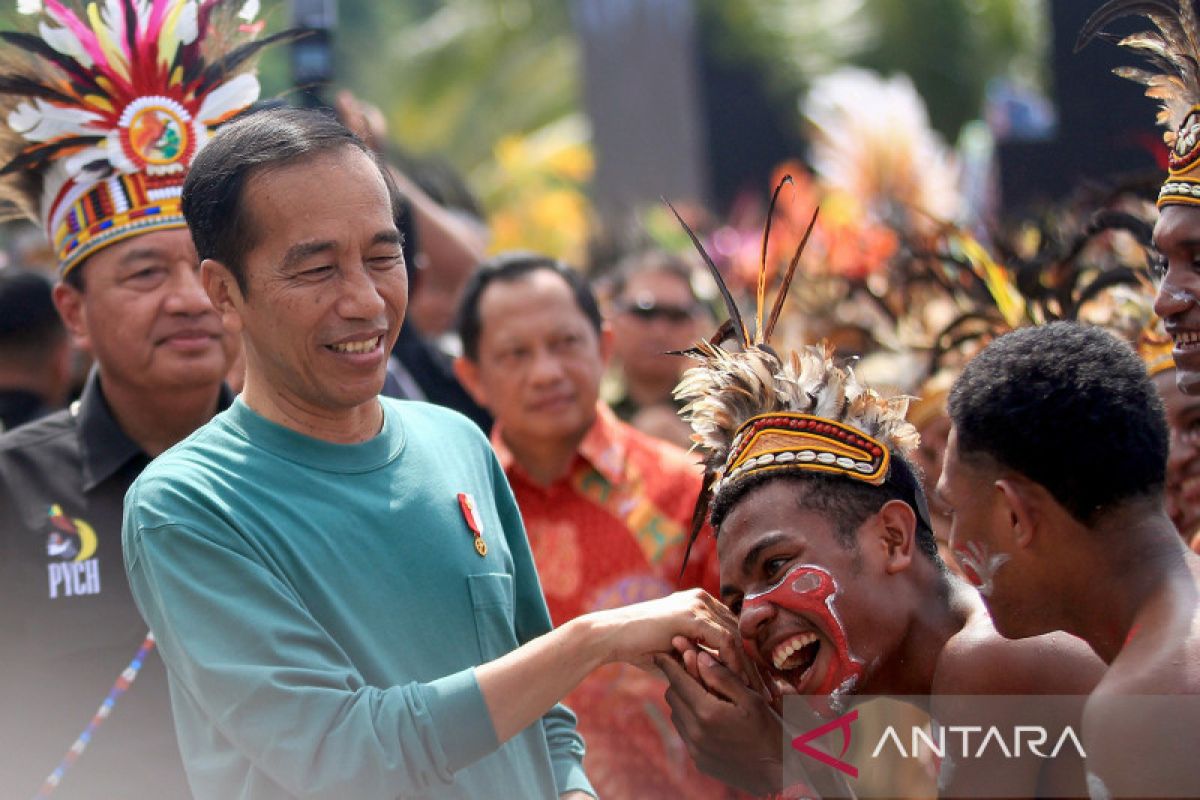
[[467, 504]]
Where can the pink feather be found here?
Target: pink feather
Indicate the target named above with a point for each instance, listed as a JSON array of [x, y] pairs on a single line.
[[82, 32]]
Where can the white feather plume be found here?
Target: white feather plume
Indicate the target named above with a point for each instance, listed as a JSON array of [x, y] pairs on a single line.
[[727, 389]]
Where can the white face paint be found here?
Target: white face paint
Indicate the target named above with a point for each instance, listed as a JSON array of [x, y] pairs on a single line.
[[980, 565], [1178, 295]]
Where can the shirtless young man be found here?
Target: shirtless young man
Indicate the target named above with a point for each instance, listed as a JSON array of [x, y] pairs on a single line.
[[828, 559], [1055, 471]]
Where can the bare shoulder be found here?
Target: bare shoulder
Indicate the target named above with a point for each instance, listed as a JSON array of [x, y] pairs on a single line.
[[1139, 725], [1162, 654], [978, 660]]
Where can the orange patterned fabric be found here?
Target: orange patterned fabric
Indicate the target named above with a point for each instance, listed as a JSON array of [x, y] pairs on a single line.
[[613, 532]]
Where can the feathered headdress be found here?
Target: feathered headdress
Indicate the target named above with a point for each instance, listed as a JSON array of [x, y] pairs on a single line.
[[1173, 50], [107, 106], [753, 410]]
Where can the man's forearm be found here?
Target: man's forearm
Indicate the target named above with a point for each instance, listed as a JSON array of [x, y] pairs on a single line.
[[521, 686], [518, 688]]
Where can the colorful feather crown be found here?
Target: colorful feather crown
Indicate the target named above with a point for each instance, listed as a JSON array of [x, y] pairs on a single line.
[[107, 107], [1173, 53], [752, 410]]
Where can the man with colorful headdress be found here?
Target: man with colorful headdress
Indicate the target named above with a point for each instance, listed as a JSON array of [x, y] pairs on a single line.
[[829, 560], [103, 113], [1172, 49]]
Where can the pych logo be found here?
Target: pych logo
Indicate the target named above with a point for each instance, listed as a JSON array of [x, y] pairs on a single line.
[[71, 545]]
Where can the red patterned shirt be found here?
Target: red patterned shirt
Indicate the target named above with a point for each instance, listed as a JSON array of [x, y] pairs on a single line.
[[610, 533]]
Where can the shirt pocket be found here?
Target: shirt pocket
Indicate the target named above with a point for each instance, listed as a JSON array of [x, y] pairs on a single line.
[[492, 602]]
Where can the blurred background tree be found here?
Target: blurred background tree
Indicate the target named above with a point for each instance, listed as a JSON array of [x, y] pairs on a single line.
[[494, 86]]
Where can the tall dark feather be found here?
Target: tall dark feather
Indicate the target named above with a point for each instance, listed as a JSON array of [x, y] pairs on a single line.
[[761, 293], [787, 277], [36, 46], [22, 86], [730, 305], [35, 157]]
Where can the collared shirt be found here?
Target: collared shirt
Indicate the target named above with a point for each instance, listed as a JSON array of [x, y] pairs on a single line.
[[68, 623], [610, 533]]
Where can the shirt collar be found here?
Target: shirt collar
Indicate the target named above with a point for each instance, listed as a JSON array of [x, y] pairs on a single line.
[[104, 447], [603, 447]]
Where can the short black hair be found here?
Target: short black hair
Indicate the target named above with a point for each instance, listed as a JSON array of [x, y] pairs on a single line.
[[270, 138], [846, 503], [1070, 407], [29, 323], [509, 267], [651, 261]]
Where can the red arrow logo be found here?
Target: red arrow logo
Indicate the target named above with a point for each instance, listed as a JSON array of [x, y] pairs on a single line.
[[800, 743]]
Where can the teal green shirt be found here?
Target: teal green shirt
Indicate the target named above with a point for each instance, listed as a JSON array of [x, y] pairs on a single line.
[[321, 609]]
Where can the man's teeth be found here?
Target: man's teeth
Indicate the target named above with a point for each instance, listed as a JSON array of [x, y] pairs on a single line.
[[1187, 338], [785, 651], [356, 347]]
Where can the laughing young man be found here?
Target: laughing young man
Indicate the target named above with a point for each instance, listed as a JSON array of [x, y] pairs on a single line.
[[1055, 471], [829, 562]]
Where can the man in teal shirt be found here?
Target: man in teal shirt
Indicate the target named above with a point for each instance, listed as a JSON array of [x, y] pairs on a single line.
[[340, 584]]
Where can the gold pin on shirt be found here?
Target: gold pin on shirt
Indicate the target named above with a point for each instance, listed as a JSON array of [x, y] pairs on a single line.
[[467, 504]]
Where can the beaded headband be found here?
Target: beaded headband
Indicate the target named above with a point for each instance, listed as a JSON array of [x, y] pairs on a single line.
[[785, 440]]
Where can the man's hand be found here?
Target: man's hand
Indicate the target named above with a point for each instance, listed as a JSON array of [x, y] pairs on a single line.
[[729, 729], [636, 633]]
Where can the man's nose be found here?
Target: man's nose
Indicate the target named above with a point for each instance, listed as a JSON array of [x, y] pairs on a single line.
[[360, 298], [754, 617]]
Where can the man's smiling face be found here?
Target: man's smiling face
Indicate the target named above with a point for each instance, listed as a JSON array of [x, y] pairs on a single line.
[[811, 615]]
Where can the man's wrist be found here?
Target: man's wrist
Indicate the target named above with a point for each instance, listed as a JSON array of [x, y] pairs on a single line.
[[590, 641]]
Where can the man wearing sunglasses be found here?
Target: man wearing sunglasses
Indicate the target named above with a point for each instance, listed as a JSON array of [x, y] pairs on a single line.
[[653, 310]]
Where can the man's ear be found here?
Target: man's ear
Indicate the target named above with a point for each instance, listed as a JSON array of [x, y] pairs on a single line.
[[1019, 503], [897, 532], [224, 293], [467, 372], [71, 307]]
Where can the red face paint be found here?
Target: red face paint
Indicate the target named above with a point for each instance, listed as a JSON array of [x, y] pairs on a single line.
[[809, 591]]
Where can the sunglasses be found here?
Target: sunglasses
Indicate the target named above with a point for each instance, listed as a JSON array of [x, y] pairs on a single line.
[[649, 312]]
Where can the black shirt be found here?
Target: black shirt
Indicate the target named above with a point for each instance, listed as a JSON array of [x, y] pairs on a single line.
[[68, 623]]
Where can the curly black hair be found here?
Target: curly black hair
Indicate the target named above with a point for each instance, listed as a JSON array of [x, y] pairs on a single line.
[[1070, 407]]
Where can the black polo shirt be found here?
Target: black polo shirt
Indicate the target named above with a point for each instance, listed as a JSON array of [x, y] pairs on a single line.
[[68, 623]]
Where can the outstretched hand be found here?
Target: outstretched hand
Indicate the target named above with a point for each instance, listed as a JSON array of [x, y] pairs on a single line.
[[636, 633]]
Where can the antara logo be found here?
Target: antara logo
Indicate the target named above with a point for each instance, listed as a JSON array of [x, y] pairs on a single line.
[[973, 741], [1034, 737]]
